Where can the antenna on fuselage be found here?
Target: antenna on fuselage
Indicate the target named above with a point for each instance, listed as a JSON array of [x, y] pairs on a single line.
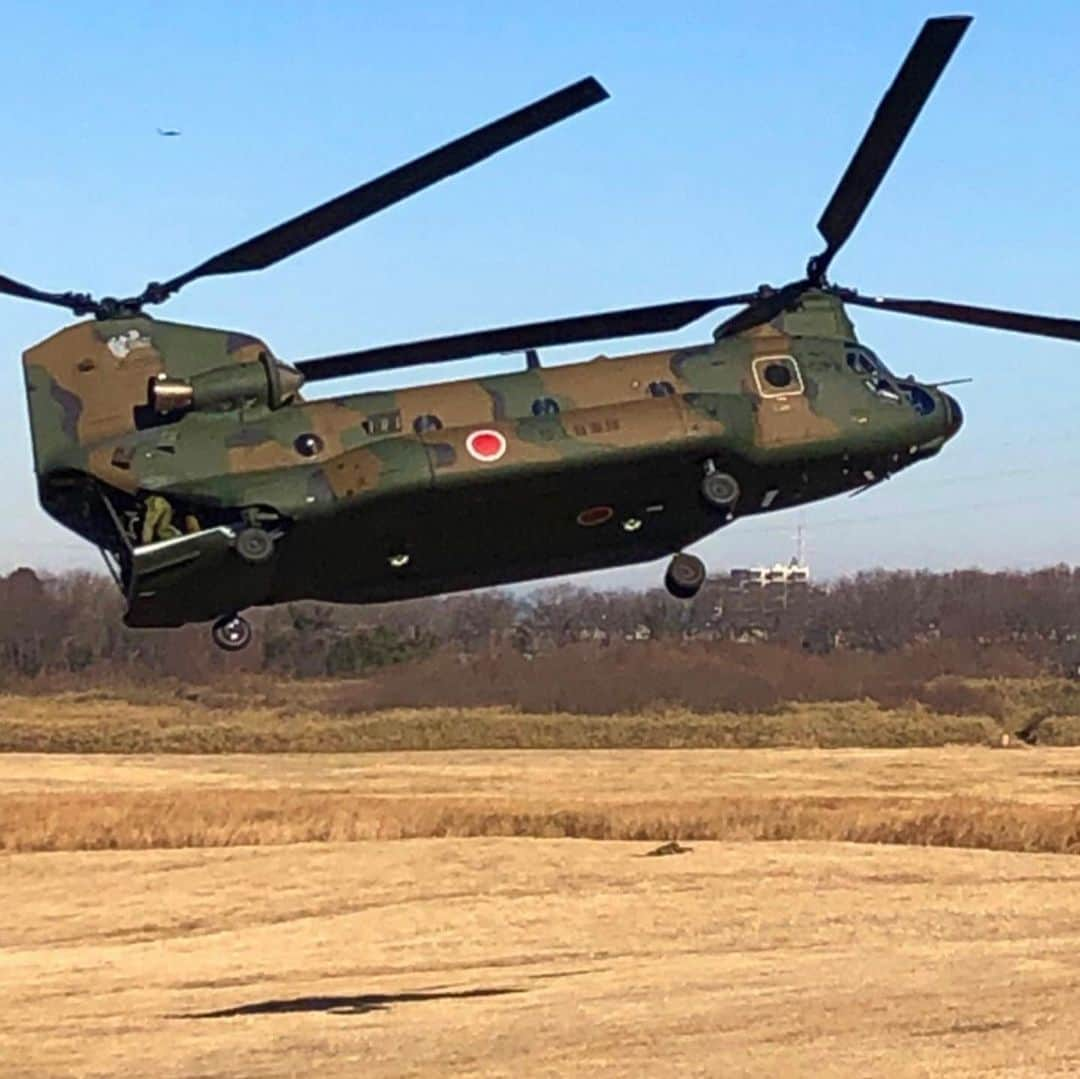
[[950, 382]]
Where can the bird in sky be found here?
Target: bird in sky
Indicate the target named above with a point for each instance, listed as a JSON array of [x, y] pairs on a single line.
[[168, 132]]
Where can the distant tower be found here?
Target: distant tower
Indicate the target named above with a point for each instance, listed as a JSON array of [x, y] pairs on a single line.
[[800, 542]]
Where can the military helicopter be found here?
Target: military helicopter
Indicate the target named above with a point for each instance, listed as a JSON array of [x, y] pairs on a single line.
[[190, 457]]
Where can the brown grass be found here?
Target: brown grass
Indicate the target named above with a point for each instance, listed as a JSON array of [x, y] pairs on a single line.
[[310, 719], [651, 796], [225, 818]]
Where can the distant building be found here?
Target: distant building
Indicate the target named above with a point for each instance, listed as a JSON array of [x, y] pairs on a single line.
[[790, 573], [759, 602]]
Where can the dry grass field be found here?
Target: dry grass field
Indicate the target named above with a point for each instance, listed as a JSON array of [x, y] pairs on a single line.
[[311, 717], [1020, 800], [247, 915]]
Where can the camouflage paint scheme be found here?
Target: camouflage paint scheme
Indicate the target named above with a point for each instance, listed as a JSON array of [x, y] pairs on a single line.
[[631, 433]]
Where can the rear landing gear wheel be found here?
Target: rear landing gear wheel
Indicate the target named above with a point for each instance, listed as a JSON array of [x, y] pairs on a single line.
[[685, 575], [232, 633], [254, 545]]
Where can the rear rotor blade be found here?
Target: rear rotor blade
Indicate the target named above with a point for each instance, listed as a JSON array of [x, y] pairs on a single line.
[[563, 331], [78, 302], [363, 201], [892, 121], [1067, 329]]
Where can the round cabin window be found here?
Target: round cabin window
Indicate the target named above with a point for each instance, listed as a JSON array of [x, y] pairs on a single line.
[[308, 445], [778, 376]]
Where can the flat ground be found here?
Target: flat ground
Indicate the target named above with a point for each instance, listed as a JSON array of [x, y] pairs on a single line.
[[531, 955], [1031, 775]]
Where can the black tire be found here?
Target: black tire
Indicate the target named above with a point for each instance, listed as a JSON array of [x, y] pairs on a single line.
[[254, 545], [720, 489], [232, 633], [685, 575]]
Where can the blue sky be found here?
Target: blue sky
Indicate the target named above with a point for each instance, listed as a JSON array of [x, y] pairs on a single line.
[[728, 127]]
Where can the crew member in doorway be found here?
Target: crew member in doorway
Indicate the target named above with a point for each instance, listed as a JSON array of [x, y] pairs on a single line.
[[158, 520]]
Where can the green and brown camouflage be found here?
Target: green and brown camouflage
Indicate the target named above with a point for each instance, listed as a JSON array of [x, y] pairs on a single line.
[[378, 496]]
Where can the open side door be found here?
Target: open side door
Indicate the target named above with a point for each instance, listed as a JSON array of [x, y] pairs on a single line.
[[192, 579]]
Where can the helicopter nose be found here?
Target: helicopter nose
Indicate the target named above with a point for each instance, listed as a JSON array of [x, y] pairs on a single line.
[[955, 414]]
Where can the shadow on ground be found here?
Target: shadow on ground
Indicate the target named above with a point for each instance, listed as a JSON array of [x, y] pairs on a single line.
[[358, 1005]]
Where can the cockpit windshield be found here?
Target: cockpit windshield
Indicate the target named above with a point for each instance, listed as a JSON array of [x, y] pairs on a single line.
[[919, 399], [884, 384]]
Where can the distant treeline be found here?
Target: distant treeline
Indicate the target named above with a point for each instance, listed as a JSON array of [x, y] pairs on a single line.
[[968, 623]]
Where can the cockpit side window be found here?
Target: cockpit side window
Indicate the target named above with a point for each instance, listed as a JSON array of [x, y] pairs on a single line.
[[884, 387], [860, 362], [873, 373]]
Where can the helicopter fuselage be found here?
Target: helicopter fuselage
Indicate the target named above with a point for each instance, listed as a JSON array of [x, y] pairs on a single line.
[[428, 489]]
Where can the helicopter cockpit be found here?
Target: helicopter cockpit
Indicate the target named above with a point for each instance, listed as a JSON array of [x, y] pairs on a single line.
[[880, 381]]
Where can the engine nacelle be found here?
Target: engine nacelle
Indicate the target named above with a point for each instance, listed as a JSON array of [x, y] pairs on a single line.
[[267, 382]]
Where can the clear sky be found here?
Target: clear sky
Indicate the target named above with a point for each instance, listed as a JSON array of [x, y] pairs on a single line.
[[728, 127]]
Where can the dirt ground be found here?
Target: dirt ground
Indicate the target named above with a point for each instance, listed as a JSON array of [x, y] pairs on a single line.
[[540, 957], [534, 956]]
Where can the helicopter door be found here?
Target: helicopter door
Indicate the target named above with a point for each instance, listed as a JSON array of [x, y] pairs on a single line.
[[192, 579], [783, 415]]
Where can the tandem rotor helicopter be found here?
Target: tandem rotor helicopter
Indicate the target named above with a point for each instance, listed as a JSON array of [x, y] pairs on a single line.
[[189, 456]]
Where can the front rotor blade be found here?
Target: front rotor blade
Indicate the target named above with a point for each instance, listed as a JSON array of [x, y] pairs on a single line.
[[563, 331], [894, 118], [1067, 329], [363, 201]]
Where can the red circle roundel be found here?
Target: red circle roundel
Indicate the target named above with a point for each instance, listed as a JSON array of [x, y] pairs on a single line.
[[595, 515], [486, 446]]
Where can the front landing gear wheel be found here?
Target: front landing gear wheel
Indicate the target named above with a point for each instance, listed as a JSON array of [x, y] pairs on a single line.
[[685, 576], [720, 490], [232, 633]]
